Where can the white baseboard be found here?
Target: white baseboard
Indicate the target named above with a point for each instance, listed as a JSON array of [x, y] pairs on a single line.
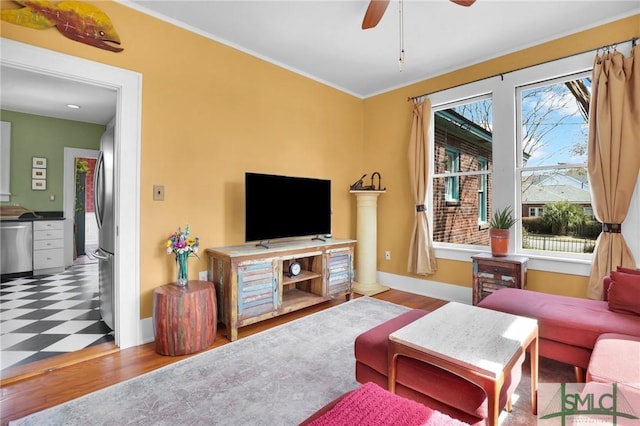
[[146, 330], [452, 293]]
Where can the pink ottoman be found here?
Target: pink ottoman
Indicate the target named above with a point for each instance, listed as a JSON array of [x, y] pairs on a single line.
[[615, 359], [429, 385]]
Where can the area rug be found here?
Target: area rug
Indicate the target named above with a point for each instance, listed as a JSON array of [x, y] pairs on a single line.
[[277, 377]]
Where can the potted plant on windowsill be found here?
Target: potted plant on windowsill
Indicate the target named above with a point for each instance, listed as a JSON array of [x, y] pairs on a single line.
[[501, 223]]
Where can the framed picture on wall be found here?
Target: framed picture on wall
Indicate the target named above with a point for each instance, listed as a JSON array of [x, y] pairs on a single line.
[[39, 163], [38, 173], [39, 184]]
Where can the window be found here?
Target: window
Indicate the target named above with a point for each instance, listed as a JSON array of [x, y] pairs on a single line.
[[451, 167], [533, 140], [483, 202], [553, 131], [462, 164], [535, 211]]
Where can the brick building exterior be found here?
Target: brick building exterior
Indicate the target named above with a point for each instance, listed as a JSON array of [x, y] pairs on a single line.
[[462, 203]]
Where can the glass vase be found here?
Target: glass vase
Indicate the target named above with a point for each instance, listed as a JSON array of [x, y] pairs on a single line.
[[183, 270]]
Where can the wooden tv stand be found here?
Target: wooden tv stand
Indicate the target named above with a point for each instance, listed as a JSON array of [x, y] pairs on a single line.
[[253, 283]]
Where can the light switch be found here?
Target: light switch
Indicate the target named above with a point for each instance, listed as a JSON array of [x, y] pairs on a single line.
[[158, 192]]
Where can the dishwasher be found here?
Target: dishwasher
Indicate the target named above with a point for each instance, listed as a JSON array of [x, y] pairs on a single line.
[[16, 239]]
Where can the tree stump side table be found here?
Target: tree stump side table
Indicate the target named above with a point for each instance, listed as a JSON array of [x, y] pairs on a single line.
[[184, 318]]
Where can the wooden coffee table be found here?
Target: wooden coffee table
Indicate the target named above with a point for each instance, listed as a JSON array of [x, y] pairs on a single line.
[[477, 344]]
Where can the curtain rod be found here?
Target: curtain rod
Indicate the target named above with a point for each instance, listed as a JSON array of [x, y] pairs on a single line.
[[608, 46]]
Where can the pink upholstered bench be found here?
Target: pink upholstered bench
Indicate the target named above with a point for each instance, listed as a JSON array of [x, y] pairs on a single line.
[[615, 359], [371, 404], [432, 386]]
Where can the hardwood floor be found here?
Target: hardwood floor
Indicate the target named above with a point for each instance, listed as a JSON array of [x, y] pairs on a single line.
[[51, 382]]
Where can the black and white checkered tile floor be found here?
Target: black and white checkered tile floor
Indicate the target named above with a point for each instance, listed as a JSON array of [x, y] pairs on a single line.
[[45, 316]]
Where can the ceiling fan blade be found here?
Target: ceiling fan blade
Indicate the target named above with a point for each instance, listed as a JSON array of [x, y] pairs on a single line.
[[465, 3], [374, 13]]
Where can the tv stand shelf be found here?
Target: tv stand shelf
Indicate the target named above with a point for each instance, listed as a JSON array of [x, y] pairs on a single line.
[[252, 282], [304, 276]]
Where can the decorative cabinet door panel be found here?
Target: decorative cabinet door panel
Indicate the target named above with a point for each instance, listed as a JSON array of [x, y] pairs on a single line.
[[257, 288], [340, 272]]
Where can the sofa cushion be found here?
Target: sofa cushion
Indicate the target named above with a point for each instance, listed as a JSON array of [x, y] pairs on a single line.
[[615, 359], [628, 270], [570, 320], [624, 293]]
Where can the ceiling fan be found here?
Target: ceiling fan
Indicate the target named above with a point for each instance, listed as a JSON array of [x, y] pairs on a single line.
[[377, 7]]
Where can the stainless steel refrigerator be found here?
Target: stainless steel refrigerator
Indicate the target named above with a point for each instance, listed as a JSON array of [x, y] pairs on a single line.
[[104, 210]]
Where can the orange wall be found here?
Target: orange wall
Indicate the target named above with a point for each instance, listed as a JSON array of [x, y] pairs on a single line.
[[387, 126], [210, 113]]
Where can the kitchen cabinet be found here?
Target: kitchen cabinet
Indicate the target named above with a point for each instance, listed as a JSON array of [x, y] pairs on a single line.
[[48, 247]]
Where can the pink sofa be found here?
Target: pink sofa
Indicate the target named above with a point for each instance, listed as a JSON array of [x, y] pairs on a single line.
[[570, 326], [429, 385]]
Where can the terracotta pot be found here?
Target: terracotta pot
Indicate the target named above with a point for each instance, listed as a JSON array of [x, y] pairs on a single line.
[[499, 241]]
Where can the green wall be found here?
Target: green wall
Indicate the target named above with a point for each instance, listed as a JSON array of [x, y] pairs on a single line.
[[37, 136]]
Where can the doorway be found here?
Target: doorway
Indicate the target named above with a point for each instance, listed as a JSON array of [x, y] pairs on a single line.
[[85, 231], [128, 331], [71, 156], [45, 316]]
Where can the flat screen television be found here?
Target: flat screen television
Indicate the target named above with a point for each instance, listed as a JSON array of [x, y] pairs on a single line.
[[286, 206]]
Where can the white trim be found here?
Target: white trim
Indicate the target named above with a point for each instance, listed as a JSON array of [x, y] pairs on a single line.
[[450, 292], [128, 84], [146, 330], [5, 161]]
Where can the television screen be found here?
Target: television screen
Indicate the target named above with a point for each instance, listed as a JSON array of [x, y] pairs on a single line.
[[285, 206]]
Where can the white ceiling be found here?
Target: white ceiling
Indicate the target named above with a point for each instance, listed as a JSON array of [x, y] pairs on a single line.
[[323, 40], [39, 94]]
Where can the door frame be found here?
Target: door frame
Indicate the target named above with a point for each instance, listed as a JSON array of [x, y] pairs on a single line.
[[128, 85]]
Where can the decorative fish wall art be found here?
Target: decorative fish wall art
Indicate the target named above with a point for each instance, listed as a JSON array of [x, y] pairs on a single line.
[[75, 20]]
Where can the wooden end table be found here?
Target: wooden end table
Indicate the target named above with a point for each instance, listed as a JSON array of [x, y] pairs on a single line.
[[477, 344], [184, 318]]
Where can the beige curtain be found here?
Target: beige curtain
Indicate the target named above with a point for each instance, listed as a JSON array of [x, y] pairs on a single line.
[[614, 157], [422, 258]]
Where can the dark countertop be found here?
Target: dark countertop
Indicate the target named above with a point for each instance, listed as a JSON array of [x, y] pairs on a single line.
[[32, 219], [37, 216]]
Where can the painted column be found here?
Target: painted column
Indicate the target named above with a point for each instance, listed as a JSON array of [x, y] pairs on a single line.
[[367, 236]]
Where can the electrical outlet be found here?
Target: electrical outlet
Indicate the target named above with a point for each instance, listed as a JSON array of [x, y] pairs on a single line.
[[387, 255], [158, 192], [202, 275]]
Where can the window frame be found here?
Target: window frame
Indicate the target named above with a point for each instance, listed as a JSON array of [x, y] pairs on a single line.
[[521, 165], [452, 179], [483, 192], [502, 89]]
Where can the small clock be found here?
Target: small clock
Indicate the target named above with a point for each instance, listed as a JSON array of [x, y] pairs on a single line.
[[294, 269]]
